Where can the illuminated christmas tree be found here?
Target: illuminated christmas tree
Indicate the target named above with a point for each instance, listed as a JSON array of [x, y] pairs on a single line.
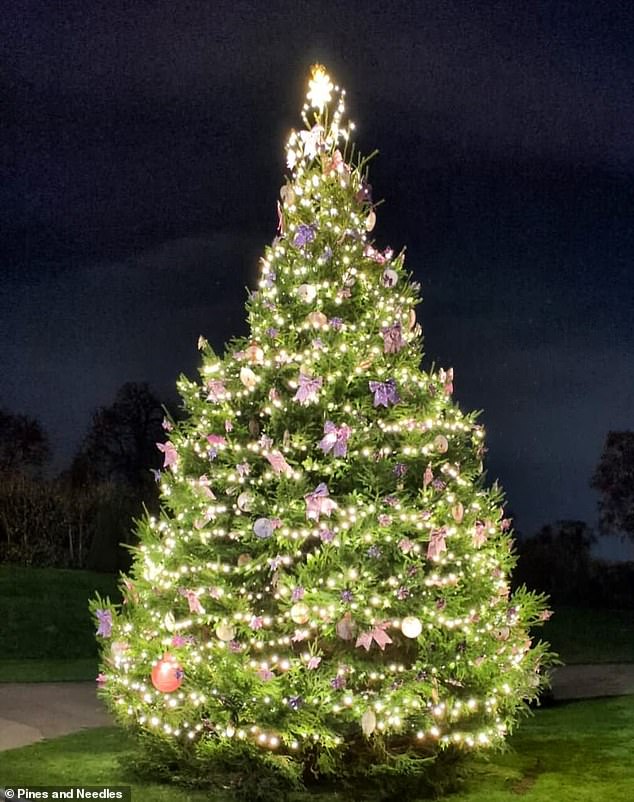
[[327, 589]]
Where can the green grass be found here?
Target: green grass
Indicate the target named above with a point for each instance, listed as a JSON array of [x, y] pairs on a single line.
[[579, 752], [44, 612], [48, 670], [584, 635]]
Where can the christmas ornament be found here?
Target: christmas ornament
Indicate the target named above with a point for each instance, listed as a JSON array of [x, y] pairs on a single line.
[[263, 528], [479, 537], [318, 503], [300, 613], [376, 634], [287, 195], [385, 393], [428, 476], [193, 601], [335, 439], [279, 463], [170, 454], [411, 319], [245, 501], [167, 675], [216, 391], [441, 444], [104, 618], [254, 354], [306, 293], [370, 221], [346, 627], [169, 622], [411, 626], [389, 278], [244, 559], [457, 512], [308, 389], [225, 632], [368, 722], [248, 378], [304, 235], [392, 339], [254, 427], [317, 320], [313, 140], [436, 545]]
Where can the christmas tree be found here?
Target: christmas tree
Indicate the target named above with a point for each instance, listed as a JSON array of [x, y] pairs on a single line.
[[327, 587]]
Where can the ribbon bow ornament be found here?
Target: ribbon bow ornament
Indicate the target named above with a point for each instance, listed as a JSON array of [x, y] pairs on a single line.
[[216, 390], [376, 634], [104, 617], [318, 503], [436, 544], [170, 454], [392, 339], [193, 601], [335, 439], [385, 393], [279, 463], [308, 389]]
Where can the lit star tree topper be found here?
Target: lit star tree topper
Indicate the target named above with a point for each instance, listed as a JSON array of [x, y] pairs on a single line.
[[327, 586]]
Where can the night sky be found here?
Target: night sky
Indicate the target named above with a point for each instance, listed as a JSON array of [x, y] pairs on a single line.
[[143, 147]]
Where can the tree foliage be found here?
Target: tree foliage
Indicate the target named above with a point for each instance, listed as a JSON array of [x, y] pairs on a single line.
[[614, 479]]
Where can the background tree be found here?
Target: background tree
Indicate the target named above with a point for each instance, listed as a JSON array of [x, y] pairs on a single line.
[[120, 446], [614, 479], [24, 445]]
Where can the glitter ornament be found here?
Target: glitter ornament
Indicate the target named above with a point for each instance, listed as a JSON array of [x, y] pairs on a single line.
[[167, 675], [245, 501], [368, 722], [248, 378], [370, 221], [300, 613], [411, 626], [457, 512], [306, 293], [317, 320], [225, 632], [441, 444]]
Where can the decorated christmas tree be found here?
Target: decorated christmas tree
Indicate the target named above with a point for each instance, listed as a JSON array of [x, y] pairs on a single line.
[[326, 591]]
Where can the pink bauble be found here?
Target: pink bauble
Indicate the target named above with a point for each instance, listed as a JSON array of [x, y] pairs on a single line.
[[167, 675]]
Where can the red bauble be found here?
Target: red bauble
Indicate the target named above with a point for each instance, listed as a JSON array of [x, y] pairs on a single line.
[[167, 675]]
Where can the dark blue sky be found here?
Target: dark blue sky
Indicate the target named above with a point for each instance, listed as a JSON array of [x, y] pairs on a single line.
[[143, 151]]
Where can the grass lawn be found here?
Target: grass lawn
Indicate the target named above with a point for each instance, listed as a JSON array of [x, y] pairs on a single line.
[[45, 612], [578, 752], [584, 635]]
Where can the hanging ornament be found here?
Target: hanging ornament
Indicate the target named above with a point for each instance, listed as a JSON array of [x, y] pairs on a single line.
[[263, 528], [202, 343], [300, 613], [317, 319], [389, 278], [119, 647], [428, 476], [254, 354], [169, 622], [244, 559], [248, 378], [346, 627], [441, 444], [167, 675], [307, 293], [225, 632], [457, 512], [411, 319], [411, 626], [245, 501], [287, 195], [368, 722], [254, 427], [370, 221]]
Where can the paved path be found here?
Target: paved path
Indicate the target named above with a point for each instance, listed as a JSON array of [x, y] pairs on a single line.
[[32, 711]]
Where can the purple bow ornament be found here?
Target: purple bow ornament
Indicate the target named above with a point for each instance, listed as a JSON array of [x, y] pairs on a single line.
[[335, 439], [308, 389], [104, 617], [318, 503], [385, 393], [193, 601]]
